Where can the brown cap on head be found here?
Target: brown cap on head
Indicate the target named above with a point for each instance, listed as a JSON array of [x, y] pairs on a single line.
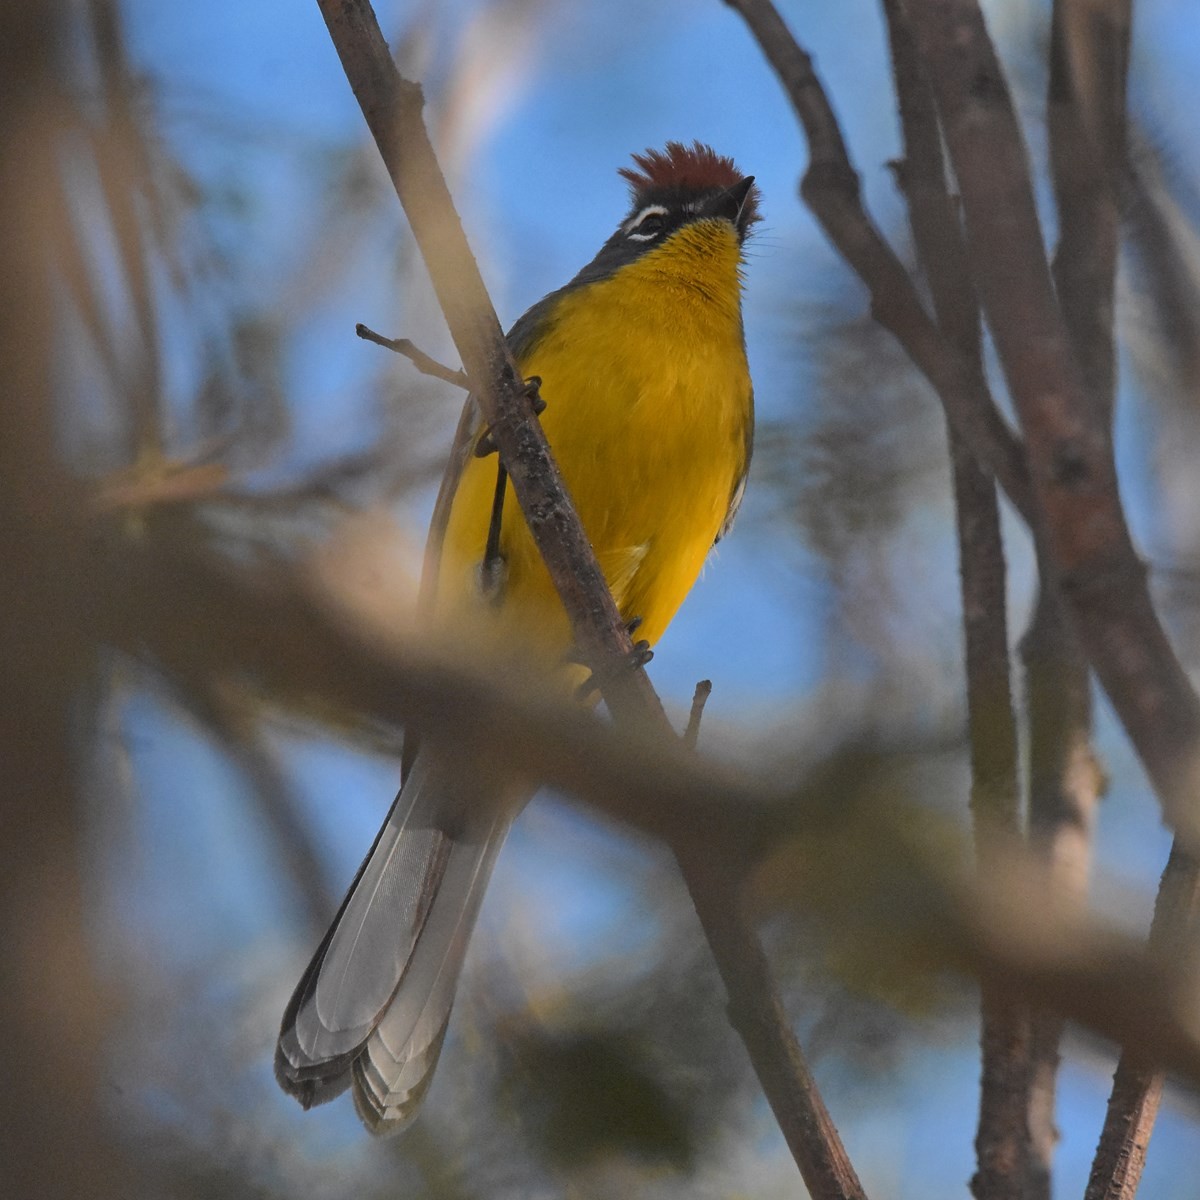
[[680, 168]]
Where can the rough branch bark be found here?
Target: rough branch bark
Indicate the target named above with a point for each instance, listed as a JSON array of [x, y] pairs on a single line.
[[1138, 1082], [1002, 1140], [1075, 483], [392, 107], [1072, 505], [1085, 112], [1074, 477], [1086, 120]]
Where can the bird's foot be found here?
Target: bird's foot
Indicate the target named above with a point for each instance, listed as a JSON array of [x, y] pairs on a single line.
[[637, 658], [530, 389]]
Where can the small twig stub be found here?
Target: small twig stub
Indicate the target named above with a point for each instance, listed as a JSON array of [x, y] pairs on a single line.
[[691, 735], [424, 363]]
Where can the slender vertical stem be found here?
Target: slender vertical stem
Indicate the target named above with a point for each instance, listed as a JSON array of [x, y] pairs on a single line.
[[1065, 783], [1074, 477], [1086, 120], [1002, 1140]]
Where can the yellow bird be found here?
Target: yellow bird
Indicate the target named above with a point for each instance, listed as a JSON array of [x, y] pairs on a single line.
[[649, 413]]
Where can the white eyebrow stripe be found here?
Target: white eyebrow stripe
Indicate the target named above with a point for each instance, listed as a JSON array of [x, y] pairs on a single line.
[[651, 210]]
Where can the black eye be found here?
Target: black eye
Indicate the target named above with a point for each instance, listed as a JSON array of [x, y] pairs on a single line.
[[648, 224]]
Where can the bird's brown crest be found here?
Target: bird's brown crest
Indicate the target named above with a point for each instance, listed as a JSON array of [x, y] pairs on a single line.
[[685, 168]]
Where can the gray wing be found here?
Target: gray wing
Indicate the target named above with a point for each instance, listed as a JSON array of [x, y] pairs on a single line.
[[532, 325]]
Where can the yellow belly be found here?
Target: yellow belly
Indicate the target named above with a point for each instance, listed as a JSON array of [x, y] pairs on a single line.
[[648, 410]]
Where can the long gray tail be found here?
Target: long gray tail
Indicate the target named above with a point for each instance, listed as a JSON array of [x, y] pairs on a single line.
[[373, 1005]]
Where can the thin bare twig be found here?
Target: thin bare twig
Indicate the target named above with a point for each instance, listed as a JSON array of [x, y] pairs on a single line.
[[1073, 472], [424, 363], [1002, 1139], [392, 108], [756, 1013], [1065, 784]]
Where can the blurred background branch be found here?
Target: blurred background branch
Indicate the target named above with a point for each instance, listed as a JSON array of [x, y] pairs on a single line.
[[210, 666], [1002, 1143]]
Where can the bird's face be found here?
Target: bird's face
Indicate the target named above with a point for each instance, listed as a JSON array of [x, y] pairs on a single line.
[[675, 191], [658, 214]]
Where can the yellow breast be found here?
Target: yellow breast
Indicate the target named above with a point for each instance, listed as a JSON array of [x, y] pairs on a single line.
[[648, 414]]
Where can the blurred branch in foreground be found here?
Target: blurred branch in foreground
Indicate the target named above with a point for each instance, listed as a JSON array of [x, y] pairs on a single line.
[[848, 852], [53, 1013]]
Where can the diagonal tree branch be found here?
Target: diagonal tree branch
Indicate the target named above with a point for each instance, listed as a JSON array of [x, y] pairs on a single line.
[[1072, 476], [1002, 1140], [1138, 1081], [392, 107], [830, 188], [197, 617], [1074, 509]]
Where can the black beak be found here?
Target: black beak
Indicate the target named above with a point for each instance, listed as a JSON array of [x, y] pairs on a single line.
[[730, 203]]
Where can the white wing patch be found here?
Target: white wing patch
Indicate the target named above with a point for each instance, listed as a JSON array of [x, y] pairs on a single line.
[[620, 566], [735, 502]]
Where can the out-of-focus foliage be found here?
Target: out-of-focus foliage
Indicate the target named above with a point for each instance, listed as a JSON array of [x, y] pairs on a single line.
[[590, 1052]]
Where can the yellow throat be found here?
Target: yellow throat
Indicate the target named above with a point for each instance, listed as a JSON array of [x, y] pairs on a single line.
[[649, 415]]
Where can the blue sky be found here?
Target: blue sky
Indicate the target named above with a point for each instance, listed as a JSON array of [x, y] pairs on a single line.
[[254, 97]]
